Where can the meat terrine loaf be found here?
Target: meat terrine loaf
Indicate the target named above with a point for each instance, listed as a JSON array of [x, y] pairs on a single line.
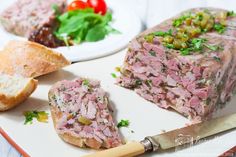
[[81, 114], [186, 63], [34, 19]]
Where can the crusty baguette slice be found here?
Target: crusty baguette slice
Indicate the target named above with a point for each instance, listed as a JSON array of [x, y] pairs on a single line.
[[14, 90], [81, 115], [30, 59]]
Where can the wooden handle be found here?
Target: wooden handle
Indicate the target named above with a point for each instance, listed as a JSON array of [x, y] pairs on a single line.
[[128, 150]]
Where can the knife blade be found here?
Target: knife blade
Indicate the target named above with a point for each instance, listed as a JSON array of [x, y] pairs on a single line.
[[172, 139]]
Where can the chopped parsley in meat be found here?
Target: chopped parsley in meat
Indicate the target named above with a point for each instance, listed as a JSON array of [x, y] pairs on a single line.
[[219, 28]]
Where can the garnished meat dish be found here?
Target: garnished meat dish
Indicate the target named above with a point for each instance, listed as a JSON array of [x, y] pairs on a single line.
[[34, 19], [187, 63], [81, 114], [52, 23]]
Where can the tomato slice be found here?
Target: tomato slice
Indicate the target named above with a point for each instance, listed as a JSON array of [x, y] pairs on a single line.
[[99, 6], [77, 4]]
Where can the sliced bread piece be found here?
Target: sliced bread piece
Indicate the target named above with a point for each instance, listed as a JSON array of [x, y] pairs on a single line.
[[14, 90], [30, 59], [81, 115]]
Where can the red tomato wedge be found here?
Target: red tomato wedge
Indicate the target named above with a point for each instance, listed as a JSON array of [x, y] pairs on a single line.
[[99, 6], [77, 4]]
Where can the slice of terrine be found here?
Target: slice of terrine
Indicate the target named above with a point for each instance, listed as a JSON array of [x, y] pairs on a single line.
[[81, 114], [187, 63], [34, 19]]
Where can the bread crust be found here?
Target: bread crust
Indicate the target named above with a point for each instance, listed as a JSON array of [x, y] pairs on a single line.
[[56, 114], [30, 59], [8, 102]]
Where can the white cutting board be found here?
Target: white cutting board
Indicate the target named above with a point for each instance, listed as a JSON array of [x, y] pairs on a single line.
[[124, 20], [41, 140]]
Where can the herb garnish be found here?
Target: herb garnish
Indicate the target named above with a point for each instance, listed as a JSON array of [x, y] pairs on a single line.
[[113, 75], [163, 34], [199, 17], [138, 82], [184, 52], [217, 58], [196, 45], [148, 83], [179, 21], [85, 82], [41, 116], [219, 28], [213, 47], [186, 38], [123, 123], [170, 46], [84, 25], [231, 13], [56, 9], [152, 53]]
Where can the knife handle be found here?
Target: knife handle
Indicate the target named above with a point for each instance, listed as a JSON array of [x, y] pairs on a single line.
[[128, 150]]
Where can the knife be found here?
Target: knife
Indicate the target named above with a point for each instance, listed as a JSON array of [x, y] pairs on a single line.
[[229, 153], [171, 139]]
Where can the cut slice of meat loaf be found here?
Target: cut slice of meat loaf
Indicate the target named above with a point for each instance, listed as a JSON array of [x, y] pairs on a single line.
[[34, 19], [81, 115], [195, 85]]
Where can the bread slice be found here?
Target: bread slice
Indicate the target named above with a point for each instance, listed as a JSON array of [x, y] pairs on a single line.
[[14, 90], [81, 115], [30, 59]]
